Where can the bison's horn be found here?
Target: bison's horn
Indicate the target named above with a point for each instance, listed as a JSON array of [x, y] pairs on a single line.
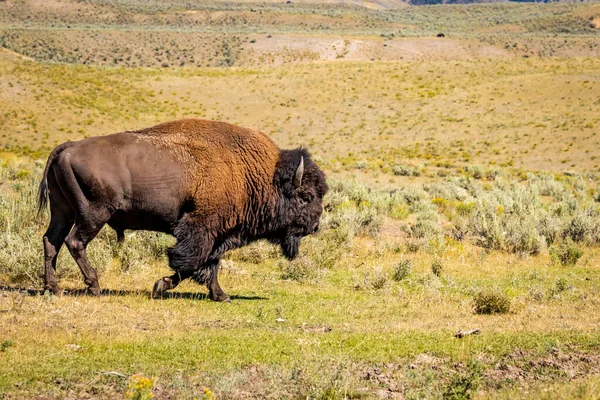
[[299, 173]]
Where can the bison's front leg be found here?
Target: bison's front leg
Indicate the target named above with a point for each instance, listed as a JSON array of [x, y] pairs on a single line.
[[215, 292], [169, 282], [208, 275]]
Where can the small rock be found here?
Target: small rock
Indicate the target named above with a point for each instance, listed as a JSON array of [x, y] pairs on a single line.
[[461, 334]]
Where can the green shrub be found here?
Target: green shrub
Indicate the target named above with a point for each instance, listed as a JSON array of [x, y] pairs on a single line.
[[561, 285], [583, 228], [402, 270], [375, 279], [437, 268], [406, 170], [414, 246], [567, 253], [463, 385], [5, 345], [299, 269], [491, 302]]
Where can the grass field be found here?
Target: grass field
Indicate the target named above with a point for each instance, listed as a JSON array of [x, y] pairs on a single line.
[[540, 113], [465, 192], [370, 309]]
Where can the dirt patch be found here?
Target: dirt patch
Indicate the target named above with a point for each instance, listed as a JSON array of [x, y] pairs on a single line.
[[523, 366], [279, 49], [520, 368], [506, 28], [383, 377]]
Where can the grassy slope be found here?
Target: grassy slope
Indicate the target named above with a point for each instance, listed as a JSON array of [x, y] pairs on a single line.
[[535, 113], [135, 33]]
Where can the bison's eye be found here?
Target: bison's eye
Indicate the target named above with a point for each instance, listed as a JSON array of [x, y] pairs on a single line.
[[306, 197]]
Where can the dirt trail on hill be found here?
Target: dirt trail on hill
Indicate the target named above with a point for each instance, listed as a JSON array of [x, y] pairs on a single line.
[[279, 49]]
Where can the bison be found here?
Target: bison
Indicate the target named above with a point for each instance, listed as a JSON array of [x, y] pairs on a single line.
[[212, 185]]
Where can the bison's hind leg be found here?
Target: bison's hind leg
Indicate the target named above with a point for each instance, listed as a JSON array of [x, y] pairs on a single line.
[[81, 234], [59, 228], [61, 222]]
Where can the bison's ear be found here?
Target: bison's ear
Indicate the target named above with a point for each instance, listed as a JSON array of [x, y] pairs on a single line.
[[299, 173]]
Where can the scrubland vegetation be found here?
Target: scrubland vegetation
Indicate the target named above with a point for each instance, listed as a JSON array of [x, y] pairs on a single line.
[[458, 250]]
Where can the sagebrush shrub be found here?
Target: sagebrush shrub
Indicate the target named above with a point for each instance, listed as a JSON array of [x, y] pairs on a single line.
[[491, 302], [406, 170], [508, 218], [567, 253], [256, 253], [476, 171], [449, 190], [375, 279], [299, 269], [402, 270], [437, 267], [583, 228], [425, 227]]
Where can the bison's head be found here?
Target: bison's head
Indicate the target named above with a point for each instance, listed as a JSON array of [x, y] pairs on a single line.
[[301, 186]]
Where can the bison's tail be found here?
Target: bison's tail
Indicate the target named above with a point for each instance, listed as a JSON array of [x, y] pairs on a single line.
[[43, 191]]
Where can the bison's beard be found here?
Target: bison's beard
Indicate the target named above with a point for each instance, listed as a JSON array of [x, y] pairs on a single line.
[[290, 246], [289, 243]]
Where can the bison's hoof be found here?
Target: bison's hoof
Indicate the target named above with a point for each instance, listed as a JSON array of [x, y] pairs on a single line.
[[221, 298], [161, 286], [54, 289], [94, 290]]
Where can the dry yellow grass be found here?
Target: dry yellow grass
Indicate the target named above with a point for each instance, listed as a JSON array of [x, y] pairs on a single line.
[[539, 113]]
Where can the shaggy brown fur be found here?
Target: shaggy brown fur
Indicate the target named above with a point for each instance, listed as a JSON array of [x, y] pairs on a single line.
[[213, 185]]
